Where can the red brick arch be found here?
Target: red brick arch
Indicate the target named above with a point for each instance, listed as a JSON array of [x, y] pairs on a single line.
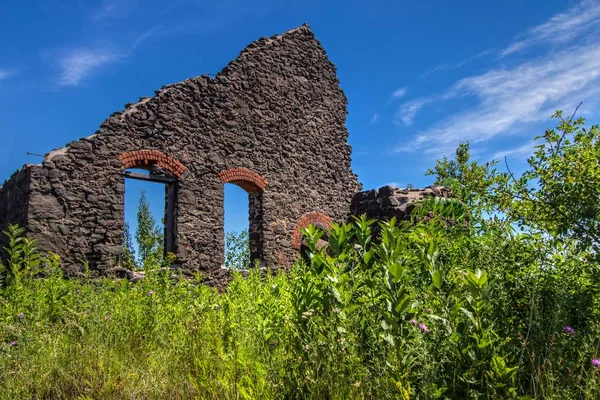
[[245, 178], [145, 158], [316, 218]]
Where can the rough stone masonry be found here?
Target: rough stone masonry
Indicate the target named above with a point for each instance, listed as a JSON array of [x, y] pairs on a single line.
[[271, 122]]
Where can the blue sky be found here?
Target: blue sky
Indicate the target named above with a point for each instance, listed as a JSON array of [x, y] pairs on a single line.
[[419, 76]]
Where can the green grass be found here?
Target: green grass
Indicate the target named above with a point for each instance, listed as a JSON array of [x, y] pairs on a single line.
[[495, 305]]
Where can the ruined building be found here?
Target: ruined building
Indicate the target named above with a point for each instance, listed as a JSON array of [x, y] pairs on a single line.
[[271, 122]]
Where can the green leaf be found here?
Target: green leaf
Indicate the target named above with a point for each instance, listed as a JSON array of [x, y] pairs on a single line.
[[437, 279]]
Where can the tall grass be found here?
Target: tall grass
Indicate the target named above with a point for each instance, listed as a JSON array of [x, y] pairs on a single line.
[[421, 311]]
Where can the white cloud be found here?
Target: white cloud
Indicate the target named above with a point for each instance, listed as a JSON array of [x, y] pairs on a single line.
[[561, 28], [475, 57], [395, 184], [515, 152], [510, 99], [76, 65], [5, 74], [113, 9], [408, 110], [161, 30], [399, 93], [446, 67], [375, 118], [441, 67]]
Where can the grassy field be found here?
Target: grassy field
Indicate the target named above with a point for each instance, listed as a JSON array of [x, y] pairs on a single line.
[[427, 311]]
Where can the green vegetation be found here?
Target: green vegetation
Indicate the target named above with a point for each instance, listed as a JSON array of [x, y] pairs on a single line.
[[237, 250], [149, 239], [459, 305]]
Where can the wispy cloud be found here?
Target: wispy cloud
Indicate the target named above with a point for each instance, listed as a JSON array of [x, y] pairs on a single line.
[[398, 93], [437, 68], [578, 20], [475, 57], [77, 64], [515, 152], [374, 118], [110, 9], [509, 99], [163, 29], [452, 66], [408, 110], [5, 74], [561, 28]]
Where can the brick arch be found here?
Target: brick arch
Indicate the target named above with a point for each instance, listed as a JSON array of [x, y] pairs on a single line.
[[245, 178], [145, 158], [316, 218]]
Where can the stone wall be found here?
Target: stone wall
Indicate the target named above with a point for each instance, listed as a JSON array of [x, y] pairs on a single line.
[[277, 110], [388, 202], [14, 198]]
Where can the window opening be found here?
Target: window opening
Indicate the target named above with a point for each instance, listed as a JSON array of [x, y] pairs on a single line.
[[149, 217], [236, 226]]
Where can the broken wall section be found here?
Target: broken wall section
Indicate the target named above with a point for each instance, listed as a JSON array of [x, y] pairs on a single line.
[[387, 202]]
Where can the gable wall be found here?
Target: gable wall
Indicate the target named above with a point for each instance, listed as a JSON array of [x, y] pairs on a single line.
[[276, 110]]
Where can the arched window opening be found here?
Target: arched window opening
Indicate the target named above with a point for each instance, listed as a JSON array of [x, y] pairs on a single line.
[[317, 219], [237, 240], [244, 186]]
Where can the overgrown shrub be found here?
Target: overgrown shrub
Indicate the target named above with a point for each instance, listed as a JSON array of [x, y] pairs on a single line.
[[426, 310]]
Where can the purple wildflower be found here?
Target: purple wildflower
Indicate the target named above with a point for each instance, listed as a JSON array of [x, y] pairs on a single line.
[[596, 362], [21, 315], [13, 343], [568, 330], [413, 321], [424, 327], [150, 293]]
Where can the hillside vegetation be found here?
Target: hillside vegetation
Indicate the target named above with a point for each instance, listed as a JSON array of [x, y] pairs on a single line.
[[493, 294]]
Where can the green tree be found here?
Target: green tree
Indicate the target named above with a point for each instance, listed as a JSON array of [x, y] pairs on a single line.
[[148, 235], [237, 250], [472, 183], [560, 192], [128, 250]]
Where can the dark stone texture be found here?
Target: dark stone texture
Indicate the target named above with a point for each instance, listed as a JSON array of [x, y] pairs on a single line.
[[389, 202], [277, 110], [14, 200]]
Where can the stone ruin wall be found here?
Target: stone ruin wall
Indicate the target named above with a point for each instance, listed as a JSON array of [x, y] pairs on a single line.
[[14, 201], [388, 202], [271, 122], [276, 115]]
